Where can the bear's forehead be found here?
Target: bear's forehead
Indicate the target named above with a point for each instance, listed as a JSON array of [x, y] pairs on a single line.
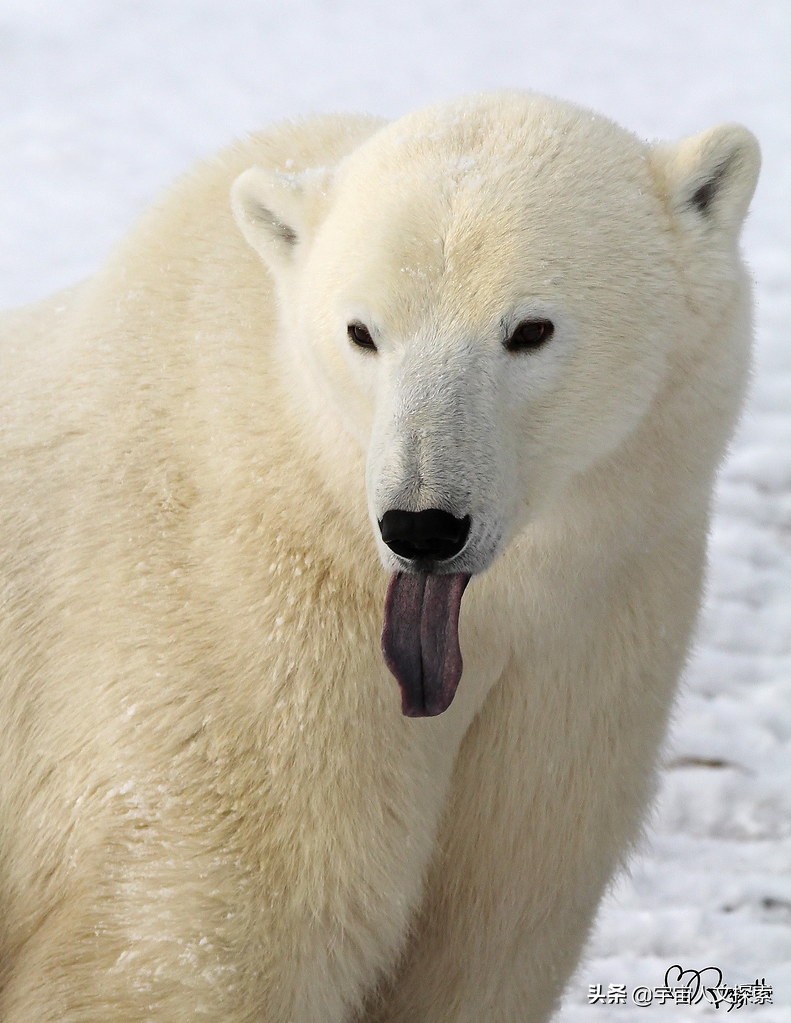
[[437, 207], [480, 165], [436, 211], [494, 133]]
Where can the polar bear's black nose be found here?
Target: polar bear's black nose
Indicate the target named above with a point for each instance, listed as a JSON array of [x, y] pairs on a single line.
[[433, 534]]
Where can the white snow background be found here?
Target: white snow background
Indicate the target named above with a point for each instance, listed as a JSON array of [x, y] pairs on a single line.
[[104, 103]]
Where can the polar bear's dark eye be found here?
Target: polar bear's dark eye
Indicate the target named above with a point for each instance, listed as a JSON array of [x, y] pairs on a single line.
[[530, 334], [360, 335]]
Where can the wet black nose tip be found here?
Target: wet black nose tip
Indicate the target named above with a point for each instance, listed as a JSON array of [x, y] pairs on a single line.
[[433, 534]]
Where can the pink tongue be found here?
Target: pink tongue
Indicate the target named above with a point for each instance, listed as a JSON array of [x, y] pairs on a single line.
[[420, 639]]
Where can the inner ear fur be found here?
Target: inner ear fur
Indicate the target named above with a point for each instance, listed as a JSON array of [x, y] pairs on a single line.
[[711, 176], [276, 212]]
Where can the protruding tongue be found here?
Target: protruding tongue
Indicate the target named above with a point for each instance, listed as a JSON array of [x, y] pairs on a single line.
[[420, 639]]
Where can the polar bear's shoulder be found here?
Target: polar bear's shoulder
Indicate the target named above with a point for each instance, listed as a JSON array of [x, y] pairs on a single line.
[[289, 148], [296, 145], [190, 225]]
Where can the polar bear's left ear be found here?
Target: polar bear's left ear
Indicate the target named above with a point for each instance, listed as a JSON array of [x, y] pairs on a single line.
[[277, 212], [711, 177]]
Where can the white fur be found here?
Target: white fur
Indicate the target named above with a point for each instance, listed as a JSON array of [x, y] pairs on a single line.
[[210, 804]]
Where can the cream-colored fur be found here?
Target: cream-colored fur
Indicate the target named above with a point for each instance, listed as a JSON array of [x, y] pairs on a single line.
[[211, 806]]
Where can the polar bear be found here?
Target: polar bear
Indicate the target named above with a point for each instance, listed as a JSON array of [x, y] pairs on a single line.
[[352, 529]]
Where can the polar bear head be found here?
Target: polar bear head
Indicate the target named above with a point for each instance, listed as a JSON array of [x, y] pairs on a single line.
[[494, 288]]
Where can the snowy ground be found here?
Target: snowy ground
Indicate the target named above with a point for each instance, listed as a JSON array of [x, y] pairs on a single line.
[[102, 103]]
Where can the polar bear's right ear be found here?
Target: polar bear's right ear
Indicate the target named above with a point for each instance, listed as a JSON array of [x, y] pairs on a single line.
[[276, 212], [710, 178]]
